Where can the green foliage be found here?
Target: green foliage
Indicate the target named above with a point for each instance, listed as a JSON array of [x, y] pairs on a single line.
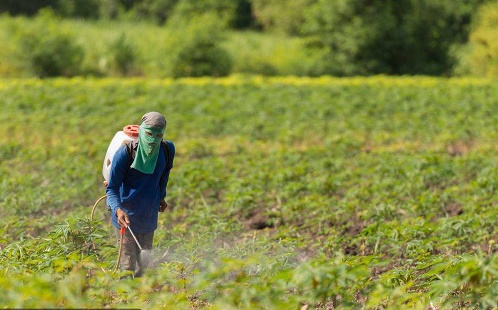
[[78, 8], [255, 52], [123, 56], [467, 281], [480, 57], [237, 14], [66, 8], [27, 7], [350, 37], [198, 50], [155, 49], [51, 51], [243, 17], [280, 197], [109, 9], [158, 10], [393, 37], [185, 10], [281, 16], [343, 37]]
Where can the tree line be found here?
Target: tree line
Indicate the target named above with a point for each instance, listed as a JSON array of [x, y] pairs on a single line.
[[350, 37]]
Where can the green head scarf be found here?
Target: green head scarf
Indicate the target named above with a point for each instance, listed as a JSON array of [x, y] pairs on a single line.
[[150, 136]]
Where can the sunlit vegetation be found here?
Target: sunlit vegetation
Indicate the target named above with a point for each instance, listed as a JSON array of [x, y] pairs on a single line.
[[376, 193]]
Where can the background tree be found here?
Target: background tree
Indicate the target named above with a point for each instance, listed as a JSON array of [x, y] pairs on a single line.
[[481, 58], [342, 37], [25, 7], [389, 37], [65, 8]]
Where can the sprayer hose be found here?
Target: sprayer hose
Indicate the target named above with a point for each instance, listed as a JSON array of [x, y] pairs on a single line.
[[95, 206], [120, 239]]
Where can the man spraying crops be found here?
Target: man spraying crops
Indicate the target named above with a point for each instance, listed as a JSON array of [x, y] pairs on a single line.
[[137, 189]]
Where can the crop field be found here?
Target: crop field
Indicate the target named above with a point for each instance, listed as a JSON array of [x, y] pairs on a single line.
[[286, 193]]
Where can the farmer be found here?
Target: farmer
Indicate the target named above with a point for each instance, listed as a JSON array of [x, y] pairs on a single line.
[[137, 188]]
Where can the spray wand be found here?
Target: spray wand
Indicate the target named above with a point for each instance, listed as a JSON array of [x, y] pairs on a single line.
[[136, 240], [144, 253]]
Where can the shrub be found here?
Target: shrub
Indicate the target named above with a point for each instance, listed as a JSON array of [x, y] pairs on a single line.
[[387, 37], [199, 51], [481, 58], [51, 51], [122, 55], [54, 55], [202, 58]]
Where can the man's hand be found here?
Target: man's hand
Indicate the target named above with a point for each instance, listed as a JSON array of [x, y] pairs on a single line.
[[123, 219], [162, 205]]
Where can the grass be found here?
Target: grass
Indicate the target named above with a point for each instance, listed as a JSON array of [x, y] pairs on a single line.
[[251, 51]]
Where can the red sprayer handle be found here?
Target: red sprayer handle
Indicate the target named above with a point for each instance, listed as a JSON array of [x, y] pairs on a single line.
[[123, 229]]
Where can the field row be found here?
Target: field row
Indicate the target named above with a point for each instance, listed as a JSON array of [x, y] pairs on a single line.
[[376, 192]]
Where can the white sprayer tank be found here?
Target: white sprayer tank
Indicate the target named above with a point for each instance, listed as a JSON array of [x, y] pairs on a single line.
[[129, 133]]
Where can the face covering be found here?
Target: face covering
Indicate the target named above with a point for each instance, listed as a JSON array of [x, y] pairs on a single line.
[[149, 144]]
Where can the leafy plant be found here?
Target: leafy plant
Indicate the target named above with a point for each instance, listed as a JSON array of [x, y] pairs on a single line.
[[51, 52], [123, 55], [200, 52], [280, 197]]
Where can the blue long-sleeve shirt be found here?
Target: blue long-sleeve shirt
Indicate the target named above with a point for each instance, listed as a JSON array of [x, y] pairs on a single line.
[[136, 193]]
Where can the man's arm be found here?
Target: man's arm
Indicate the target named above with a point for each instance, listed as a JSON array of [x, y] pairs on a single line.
[[116, 176], [165, 178]]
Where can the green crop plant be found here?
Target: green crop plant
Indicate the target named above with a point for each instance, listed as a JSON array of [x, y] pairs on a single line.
[[286, 192]]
